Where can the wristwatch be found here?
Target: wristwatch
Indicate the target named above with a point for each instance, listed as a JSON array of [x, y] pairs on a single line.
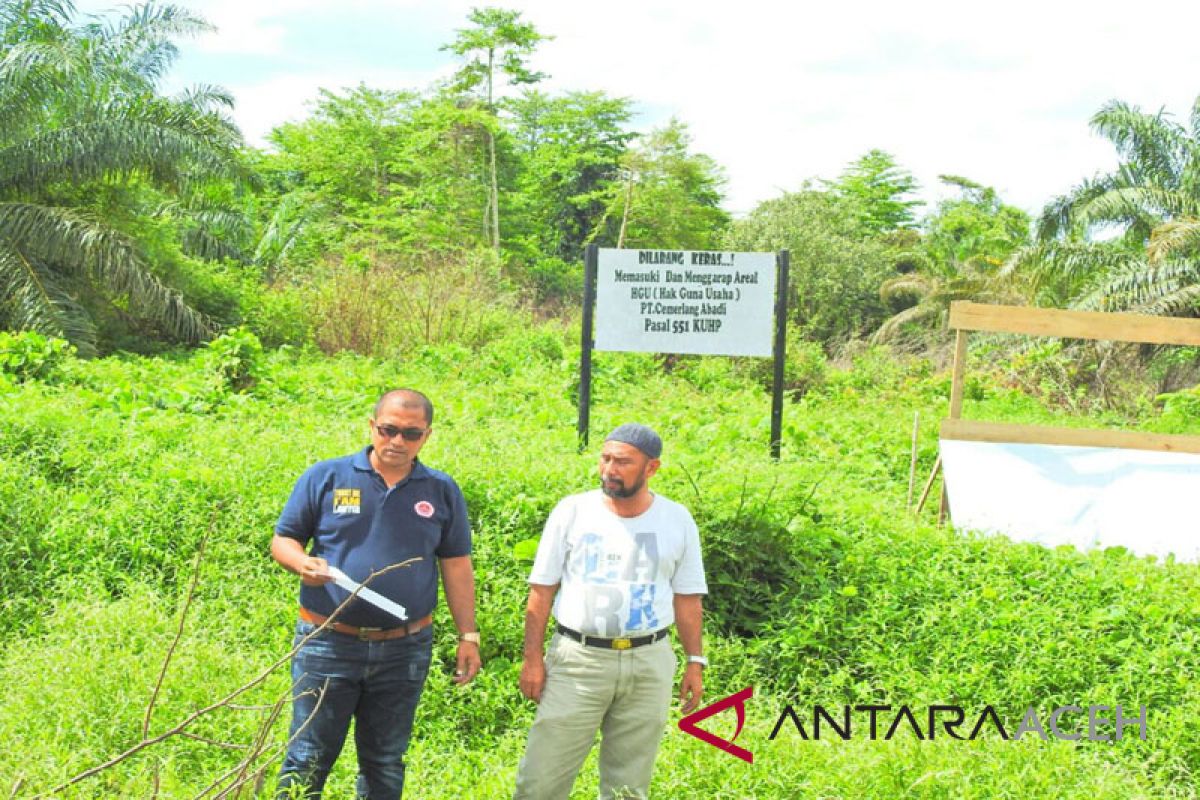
[[701, 660], [469, 636]]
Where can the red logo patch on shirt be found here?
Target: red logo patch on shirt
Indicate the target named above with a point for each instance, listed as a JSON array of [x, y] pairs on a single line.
[[424, 508]]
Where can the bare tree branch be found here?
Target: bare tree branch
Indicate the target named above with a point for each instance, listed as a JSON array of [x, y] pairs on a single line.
[[205, 740], [241, 766], [223, 702], [187, 604]]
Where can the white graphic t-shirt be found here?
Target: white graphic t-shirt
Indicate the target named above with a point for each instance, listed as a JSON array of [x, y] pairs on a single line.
[[618, 575]]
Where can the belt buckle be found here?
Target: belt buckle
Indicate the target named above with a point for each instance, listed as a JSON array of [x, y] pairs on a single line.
[[363, 633], [622, 643]]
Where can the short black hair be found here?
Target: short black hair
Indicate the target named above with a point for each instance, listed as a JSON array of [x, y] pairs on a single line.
[[408, 398]]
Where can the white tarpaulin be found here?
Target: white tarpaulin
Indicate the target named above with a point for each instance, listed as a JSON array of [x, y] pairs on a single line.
[[1089, 497]]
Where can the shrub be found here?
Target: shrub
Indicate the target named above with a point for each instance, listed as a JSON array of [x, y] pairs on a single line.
[[805, 367], [278, 315], [555, 282], [29, 355], [234, 357], [385, 309]]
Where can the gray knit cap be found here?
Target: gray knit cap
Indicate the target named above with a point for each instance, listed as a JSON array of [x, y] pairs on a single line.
[[640, 436]]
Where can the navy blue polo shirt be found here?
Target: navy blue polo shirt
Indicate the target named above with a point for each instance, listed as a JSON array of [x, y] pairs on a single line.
[[359, 525]]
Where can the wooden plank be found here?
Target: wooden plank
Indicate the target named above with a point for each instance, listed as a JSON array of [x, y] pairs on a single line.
[[1002, 432], [1140, 328], [937, 465], [956, 380]]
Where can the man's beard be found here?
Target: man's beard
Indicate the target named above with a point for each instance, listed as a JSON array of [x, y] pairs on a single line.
[[621, 491]]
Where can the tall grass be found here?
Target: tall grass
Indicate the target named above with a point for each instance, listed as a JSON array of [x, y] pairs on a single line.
[[824, 588]]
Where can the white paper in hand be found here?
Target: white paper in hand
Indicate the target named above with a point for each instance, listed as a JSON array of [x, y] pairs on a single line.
[[374, 598]]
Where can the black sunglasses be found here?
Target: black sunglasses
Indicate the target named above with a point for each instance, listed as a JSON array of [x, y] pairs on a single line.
[[408, 434]]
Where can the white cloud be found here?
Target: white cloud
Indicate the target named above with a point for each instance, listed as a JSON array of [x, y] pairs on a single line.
[[777, 93], [266, 104]]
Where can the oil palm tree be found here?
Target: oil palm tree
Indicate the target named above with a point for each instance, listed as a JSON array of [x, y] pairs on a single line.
[[1152, 202], [965, 242], [79, 111]]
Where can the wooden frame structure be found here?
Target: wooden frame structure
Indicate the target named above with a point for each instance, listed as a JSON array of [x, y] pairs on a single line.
[[1135, 328]]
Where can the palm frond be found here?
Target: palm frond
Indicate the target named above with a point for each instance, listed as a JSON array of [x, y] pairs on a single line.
[[142, 38], [16, 19], [1058, 217], [75, 246], [1151, 142], [291, 215], [1065, 259], [1174, 237], [32, 75], [891, 327], [209, 229], [1137, 285], [1143, 206], [35, 299], [912, 284], [205, 97], [108, 148]]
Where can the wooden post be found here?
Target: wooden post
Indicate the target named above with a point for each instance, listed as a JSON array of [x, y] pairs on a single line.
[[956, 401], [590, 259], [912, 461], [781, 298], [937, 464]]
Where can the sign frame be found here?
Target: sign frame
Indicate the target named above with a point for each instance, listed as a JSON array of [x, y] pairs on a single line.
[[587, 345]]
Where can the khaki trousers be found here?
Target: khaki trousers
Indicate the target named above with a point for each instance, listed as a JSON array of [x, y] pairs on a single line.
[[624, 694]]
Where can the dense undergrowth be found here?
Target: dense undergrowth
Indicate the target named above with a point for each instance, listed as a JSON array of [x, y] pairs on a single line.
[[824, 589]]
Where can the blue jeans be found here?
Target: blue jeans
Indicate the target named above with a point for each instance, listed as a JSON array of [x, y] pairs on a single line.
[[336, 677]]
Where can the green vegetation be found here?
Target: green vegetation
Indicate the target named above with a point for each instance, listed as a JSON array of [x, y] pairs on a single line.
[[133, 221], [1152, 201], [187, 323], [86, 146], [823, 589]]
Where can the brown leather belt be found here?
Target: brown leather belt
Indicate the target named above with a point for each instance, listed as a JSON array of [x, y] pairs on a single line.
[[368, 634]]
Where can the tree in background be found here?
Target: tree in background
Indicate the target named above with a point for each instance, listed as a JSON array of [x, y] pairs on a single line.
[[81, 125], [1152, 204], [500, 41], [966, 241], [379, 172], [975, 229], [837, 261], [878, 187], [569, 149], [669, 196]]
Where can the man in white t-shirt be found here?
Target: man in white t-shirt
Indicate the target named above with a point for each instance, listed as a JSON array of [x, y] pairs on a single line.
[[619, 564]]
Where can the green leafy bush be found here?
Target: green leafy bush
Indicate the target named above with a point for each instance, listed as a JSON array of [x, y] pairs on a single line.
[[388, 309], [822, 589], [234, 357], [760, 550], [278, 315], [805, 367], [29, 355], [556, 283]]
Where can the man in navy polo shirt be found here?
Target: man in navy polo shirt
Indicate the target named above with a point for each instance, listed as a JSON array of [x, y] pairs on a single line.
[[361, 514]]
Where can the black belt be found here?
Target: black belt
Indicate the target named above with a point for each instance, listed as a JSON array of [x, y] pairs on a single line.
[[620, 643]]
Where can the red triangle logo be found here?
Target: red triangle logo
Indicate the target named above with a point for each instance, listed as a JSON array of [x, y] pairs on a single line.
[[738, 702]]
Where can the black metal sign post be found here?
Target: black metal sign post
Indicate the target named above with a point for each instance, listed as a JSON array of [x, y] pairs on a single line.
[[585, 351], [781, 298]]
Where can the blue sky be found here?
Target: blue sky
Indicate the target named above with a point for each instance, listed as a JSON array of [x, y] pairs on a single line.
[[777, 93]]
